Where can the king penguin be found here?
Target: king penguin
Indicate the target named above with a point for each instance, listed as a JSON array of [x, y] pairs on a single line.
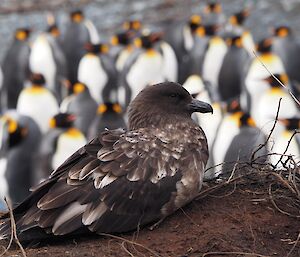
[[236, 27], [62, 140], [181, 35], [170, 63], [266, 106], [96, 69], [281, 144], [82, 105], [255, 85], [122, 48], [46, 57], [109, 116], [78, 31], [15, 68], [144, 67], [287, 48], [20, 137], [195, 57], [232, 71], [215, 52], [38, 102], [248, 139], [213, 13], [227, 130], [67, 142]]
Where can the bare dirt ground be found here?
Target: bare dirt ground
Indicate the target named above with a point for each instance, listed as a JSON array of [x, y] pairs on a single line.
[[237, 219]]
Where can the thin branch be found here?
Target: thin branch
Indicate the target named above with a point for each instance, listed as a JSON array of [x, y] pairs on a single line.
[[287, 147], [293, 248], [14, 236], [285, 87], [270, 134], [276, 206], [234, 253], [130, 242]]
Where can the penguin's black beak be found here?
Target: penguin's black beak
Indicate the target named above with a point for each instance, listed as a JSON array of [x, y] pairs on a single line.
[[199, 106]]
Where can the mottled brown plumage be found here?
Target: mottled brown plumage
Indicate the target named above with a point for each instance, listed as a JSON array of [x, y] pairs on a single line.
[[124, 179]]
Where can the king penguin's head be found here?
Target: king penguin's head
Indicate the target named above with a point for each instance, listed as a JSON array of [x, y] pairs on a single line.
[[194, 22], [37, 79], [132, 25], [239, 17], [22, 34], [14, 133], [76, 16], [62, 120], [265, 45], [213, 7], [53, 30], [291, 124], [164, 103], [246, 121], [96, 48], [109, 108], [282, 31], [122, 38], [276, 80]]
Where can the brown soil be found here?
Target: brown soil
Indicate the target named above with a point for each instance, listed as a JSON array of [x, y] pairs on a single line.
[[232, 221]]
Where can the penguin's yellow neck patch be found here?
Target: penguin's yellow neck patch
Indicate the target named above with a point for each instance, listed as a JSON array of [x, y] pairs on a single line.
[[276, 91], [129, 48], [36, 89], [90, 55], [287, 134], [74, 133], [268, 58], [217, 40], [235, 117], [151, 53]]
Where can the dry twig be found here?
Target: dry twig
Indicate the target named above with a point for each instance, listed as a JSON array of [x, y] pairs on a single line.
[[130, 242], [252, 160], [284, 86], [234, 253], [14, 236]]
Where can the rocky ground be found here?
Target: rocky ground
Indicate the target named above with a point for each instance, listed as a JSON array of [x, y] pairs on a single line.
[[241, 218]]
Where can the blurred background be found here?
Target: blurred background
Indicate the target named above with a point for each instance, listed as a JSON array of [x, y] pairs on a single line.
[[109, 15]]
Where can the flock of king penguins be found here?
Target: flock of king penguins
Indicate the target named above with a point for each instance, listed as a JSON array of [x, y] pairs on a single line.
[[58, 90]]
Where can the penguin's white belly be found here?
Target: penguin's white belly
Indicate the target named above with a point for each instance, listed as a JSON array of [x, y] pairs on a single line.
[[280, 146], [213, 61], [267, 108], [3, 183], [256, 88], [170, 64], [64, 106], [210, 123], [188, 40], [195, 85], [66, 146], [41, 107], [91, 72], [248, 42], [41, 60], [254, 82], [147, 70], [122, 58], [93, 33], [228, 130]]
